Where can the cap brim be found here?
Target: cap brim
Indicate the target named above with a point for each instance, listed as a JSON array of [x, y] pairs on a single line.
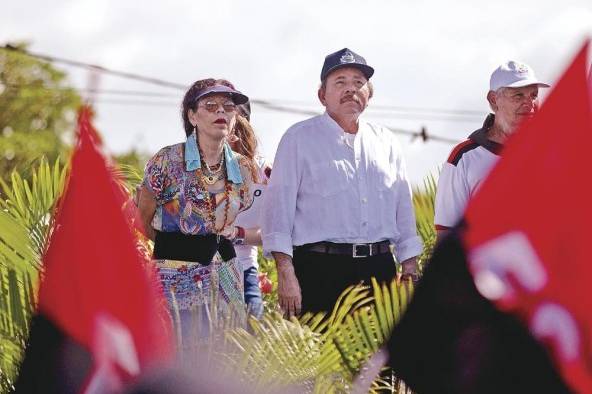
[[237, 97], [527, 82], [365, 69]]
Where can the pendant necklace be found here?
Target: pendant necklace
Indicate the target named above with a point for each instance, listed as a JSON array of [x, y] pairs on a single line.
[[211, 177]]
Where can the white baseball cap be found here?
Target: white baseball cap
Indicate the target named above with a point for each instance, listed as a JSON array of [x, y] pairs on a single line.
[[512, 74]]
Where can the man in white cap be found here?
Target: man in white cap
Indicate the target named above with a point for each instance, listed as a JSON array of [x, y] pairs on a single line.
[[513, 97], [338, 197]]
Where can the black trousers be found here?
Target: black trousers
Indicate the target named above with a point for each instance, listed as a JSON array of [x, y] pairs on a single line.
[[323, 277]]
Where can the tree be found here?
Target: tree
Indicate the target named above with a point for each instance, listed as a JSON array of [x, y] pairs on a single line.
[[37, 111]]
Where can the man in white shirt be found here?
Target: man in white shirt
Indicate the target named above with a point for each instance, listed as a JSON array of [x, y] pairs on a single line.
[[513, 97], [338, 197]]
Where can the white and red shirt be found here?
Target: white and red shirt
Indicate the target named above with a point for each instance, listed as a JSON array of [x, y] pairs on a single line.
[[467, 166], [247, 254]]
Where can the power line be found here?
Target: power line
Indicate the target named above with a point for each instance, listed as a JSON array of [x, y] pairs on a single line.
[[263, 103], [161, 82], [267, 105], [105, 70], [378, 107]]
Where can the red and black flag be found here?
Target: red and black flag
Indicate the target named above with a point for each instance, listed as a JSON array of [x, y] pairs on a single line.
[[101, 318], [505, 304]]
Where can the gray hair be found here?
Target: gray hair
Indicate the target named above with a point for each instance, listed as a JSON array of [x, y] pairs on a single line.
[[500, 92]]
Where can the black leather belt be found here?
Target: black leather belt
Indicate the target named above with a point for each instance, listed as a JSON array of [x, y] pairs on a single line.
[[195, 248], [353, 250]]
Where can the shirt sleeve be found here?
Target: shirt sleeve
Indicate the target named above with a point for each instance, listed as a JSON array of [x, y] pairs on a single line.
[[408, 244], [452, 195], [279, 204], [154, 175]]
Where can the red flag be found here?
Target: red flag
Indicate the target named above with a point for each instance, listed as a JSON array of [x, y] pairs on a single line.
[[96, 288], [528, 227]]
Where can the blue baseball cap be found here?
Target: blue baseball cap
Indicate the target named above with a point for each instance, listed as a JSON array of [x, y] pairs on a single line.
[[345, 58], [236, 96]]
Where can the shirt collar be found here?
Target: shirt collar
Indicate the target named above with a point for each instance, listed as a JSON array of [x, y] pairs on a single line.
[[480, 136], [193, 160], [333, 125]]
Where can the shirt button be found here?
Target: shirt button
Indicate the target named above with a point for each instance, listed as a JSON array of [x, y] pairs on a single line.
[[364, 223], [364, 200]]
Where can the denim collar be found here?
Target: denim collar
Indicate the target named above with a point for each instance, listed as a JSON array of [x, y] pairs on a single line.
[[193, 160]]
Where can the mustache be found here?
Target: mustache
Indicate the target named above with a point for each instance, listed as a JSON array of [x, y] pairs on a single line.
[[349, 97]]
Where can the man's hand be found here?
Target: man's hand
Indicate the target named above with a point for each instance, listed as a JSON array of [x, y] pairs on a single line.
[[410, 270], [289, 294]]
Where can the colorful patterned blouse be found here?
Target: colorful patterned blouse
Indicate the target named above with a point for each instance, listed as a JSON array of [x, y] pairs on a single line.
[[181, 206]]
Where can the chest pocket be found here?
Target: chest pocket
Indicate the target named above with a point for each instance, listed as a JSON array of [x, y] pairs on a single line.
[[329, 178]]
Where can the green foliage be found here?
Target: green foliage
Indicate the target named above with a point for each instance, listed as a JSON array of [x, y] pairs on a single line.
[[37, 112], [270, 301], [318, 353], [31, 202], [133, 163], [423, 202], [25, 225]]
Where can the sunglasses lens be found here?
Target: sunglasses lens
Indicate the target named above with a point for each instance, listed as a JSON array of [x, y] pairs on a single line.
[[211, 107]]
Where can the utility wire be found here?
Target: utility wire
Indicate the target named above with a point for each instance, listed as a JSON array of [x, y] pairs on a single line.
[[264, 103], [123, 74], [174, 85], [13, 89]]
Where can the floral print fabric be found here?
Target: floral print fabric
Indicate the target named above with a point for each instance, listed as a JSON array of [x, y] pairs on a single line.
[[181, 204], [189, 285]]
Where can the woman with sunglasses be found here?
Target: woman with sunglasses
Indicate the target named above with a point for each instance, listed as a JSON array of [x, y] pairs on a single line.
[[190, 197]]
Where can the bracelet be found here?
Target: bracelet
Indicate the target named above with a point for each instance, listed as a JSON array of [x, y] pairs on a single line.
[[239, 238]]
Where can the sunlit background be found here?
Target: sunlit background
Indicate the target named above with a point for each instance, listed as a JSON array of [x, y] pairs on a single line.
[[432, 59]]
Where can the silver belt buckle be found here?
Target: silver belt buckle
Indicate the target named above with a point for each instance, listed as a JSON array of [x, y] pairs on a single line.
[[355, 254]]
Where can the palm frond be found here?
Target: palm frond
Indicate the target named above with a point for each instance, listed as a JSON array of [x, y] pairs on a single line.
[[26, 221], [424, 201], [318, 353], [32, 204], [129, 176]]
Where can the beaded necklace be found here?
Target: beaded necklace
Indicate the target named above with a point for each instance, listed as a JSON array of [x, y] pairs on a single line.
[[213, 174], [208, 198]]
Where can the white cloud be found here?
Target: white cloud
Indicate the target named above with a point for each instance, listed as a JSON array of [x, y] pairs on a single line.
[[427, 53]]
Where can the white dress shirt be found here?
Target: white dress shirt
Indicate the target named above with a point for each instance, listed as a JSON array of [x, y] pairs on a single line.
[[322, 189]]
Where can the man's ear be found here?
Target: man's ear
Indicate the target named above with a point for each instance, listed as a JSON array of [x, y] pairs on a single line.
[[492, 99], [321, 95]]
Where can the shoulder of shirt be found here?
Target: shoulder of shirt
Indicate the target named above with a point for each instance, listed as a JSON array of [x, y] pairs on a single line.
[[304, 125], [382, 132], [263, 166], [461, 149], [167, 149], [261, 161]]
